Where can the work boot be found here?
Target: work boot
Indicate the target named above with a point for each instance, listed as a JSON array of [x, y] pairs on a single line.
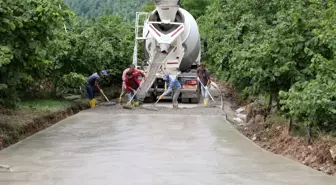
[[206, 101], [93, 102], [136, 103], [120, 100], [130, 104]]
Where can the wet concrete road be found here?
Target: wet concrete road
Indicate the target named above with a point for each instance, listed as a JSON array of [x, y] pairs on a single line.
[[98, 147]]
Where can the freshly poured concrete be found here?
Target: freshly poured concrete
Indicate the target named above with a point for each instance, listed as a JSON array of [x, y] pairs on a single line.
[[97, 147]]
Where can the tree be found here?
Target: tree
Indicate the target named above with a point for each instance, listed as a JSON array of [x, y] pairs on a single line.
[[96, 8], [267, 47], [196, 8], [37, 55], [27, 30]]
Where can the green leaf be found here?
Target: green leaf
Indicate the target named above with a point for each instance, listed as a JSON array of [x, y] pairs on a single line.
[[39, 8]]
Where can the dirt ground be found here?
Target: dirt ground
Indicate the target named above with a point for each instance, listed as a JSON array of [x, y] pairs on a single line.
[[273, 136]]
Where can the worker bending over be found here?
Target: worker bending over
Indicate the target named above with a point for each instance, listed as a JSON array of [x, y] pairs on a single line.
[[137, 72], [174, 86], [93, 85], [132, 85], [203, 76]]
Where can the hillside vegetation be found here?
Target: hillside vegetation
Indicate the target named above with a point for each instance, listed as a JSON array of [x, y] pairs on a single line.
[[283, 50], [92, 8]]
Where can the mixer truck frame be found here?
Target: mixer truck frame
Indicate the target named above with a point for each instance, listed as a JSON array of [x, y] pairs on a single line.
[[173, 45]]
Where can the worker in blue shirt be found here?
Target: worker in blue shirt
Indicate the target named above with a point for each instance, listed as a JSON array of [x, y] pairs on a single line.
[[174, 86], [92, 85]]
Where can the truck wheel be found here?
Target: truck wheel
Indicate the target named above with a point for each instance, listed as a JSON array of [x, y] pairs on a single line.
[[185, 100], [150, 99], [195, 100]]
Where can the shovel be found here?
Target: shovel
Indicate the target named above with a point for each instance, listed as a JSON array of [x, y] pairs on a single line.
[[135, 93], [220, 92], [153, 106], [207, 91], [101, 91], [127, 106], [108, 101]]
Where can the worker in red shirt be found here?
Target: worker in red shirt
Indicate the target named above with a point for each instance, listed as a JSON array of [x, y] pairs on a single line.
[[132, 84], [131, 68]]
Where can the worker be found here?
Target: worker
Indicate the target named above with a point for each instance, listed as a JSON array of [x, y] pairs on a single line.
[[203, 76], [138, 73], [174, 86], [132, 85], [92, 85]]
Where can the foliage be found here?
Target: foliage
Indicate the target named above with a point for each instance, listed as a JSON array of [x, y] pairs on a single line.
[[101, 44], [27, 29], [95, 8], [148, 7], [265, 47], [71, 83], [37, 54], [196, 8], [314, 102]]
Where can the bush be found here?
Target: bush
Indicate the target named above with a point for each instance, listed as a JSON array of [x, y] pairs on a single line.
[[267, 47], [71, 83]]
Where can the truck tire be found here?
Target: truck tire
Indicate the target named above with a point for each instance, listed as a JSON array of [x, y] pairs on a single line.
[[150, 99], [185, 100], [195, 100]]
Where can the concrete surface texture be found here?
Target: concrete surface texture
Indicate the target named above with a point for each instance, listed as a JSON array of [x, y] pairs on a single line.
[[100, 147]]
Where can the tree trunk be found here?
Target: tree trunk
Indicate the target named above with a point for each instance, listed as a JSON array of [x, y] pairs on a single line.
[[309, 135], [56, 82], [278, 103], [269, 108], [290, 125]]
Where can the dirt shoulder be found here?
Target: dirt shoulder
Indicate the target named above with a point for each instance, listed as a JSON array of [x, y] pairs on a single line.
[[33, 116], [273, 135]]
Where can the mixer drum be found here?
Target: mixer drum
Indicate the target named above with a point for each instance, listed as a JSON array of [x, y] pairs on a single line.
[[190, 36]]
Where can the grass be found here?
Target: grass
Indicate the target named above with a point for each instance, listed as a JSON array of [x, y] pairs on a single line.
[[46, 105], [31, 116]]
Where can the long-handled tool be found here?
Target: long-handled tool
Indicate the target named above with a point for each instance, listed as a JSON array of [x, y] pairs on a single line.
[[101, 91], [213, 84], [108, 103], [128, 104], [207, 92], [156, 103], [135, 93], [153, 106]]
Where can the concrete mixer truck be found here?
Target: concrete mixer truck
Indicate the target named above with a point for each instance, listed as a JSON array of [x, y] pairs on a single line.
[[173, 46]]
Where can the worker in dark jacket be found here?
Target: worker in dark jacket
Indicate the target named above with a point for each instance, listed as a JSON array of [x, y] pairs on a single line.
[[92, 85], [203, 76]]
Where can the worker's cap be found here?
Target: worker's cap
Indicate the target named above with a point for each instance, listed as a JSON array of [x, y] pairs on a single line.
[[165, 77], [104, 72]]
